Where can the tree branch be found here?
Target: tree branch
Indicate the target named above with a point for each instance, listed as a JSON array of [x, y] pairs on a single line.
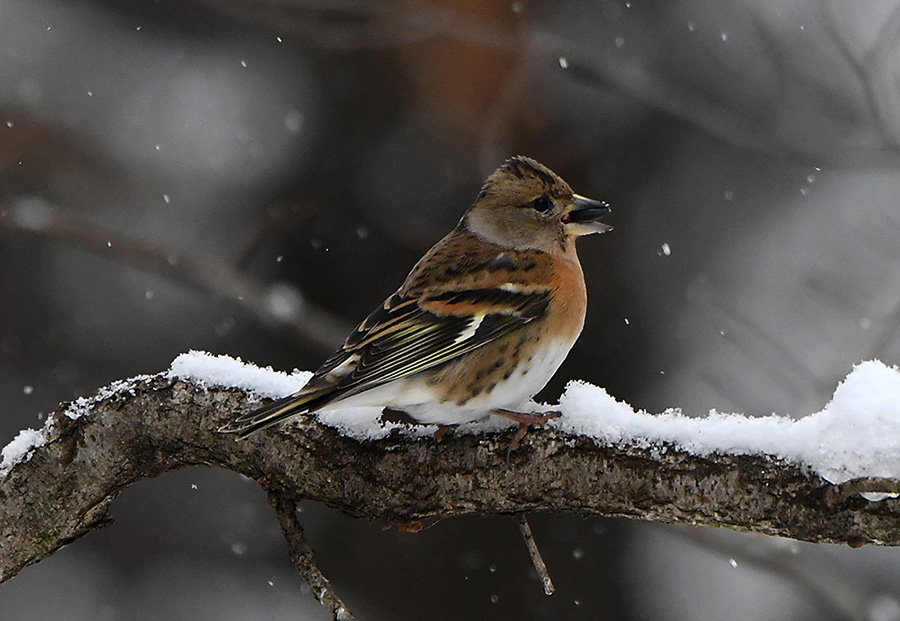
[[536, 559], [94, 448], [303, 557]]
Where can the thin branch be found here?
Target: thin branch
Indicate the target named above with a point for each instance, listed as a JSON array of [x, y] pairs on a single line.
[[832, 27], [279, 305], [536, 559], [304, 559], [880, 85]]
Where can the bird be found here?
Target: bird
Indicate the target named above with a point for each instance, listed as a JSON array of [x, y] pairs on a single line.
[[480, 324]]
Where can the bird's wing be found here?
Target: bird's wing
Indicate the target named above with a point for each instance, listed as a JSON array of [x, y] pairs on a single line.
[[411, 334]]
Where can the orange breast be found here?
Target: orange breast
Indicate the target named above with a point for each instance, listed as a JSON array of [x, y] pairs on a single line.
[[565, 315]]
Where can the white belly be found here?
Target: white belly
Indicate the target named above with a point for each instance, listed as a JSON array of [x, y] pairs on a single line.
[[415, 397]]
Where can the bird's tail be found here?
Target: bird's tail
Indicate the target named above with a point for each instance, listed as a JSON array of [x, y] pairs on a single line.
[[275, 412]]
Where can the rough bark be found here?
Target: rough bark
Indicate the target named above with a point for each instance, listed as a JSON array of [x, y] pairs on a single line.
[[158, 424]]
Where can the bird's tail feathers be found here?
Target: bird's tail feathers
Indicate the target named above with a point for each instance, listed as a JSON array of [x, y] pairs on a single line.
[[275, 412]]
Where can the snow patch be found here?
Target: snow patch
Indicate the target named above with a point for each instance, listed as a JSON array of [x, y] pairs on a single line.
[[82, 405], [208, 371], [21, 448], [23, 445], [857, 434], [365, 424]]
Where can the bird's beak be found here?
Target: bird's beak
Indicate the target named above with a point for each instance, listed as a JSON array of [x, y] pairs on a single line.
[[585, 215]]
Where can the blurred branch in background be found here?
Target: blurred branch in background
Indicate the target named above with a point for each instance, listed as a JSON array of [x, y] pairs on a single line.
[[823, 580], [279, 305], [873, 69], [286, 219], [350, 26]]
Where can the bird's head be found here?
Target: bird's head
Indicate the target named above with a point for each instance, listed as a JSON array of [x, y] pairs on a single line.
[[524, 204]]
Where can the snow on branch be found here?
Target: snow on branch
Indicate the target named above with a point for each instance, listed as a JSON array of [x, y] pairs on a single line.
[[856, 435], [803, 478]]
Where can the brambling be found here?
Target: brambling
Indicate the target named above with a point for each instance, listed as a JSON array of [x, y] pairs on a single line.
[[481, 323]]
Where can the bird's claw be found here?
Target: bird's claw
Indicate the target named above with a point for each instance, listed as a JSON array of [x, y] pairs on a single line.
[[525, 420]]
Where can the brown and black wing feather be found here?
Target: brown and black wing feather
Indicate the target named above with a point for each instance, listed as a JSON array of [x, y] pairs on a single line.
[[404, 337]]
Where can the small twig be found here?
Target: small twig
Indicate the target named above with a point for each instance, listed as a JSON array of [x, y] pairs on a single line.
[[304, 559], [535, 554]]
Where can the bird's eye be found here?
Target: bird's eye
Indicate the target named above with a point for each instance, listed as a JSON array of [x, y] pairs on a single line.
[[542, 203]]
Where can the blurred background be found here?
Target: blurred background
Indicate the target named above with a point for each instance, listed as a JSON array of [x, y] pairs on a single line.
[[252, 177]]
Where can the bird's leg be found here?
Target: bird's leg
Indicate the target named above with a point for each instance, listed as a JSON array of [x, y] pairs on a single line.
[[442, 431], [525, 420]]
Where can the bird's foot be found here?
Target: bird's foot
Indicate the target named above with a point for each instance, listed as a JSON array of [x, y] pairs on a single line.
[[525, 420], [442, 431], [412, 526]]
